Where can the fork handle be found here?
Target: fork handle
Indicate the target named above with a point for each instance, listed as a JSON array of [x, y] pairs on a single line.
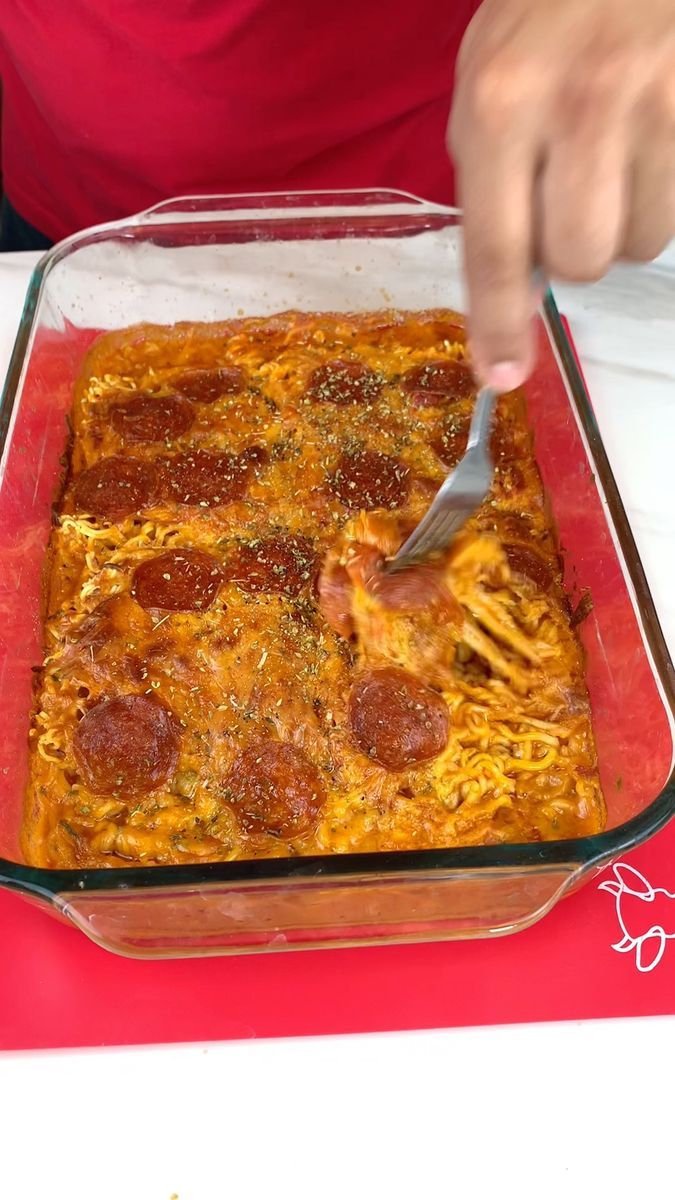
[[481, 419]]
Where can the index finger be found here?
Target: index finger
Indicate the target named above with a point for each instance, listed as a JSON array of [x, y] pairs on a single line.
[[496, 175]]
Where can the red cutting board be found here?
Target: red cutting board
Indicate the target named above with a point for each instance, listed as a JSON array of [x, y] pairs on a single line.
[[57, 989], [604, 952]]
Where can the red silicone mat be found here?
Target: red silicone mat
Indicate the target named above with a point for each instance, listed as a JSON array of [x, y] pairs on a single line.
[[602, 953]]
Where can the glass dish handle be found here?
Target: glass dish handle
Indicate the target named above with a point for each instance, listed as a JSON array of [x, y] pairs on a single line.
[[186, 207]]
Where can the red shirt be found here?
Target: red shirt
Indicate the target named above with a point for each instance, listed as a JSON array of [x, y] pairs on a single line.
[[112, 105]]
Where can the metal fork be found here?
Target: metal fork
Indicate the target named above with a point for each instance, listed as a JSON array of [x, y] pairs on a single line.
[[459, 496]]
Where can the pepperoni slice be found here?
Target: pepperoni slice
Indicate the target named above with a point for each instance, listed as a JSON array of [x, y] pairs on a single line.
[[396, 720], [204, 478], [524, 561], [275, 789], [504, 442], [115, 487], [510, 478], [451, 441], [425, 488], [335, 596], [420, 588], [252, 457], [340, 382], [273, 564], [205, 385], [368, 479], [128, 744], [439, 382], [516, 527], [149, 418], [180, 580]]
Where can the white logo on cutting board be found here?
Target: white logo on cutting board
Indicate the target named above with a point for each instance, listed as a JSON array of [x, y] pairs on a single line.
[[649, 947]]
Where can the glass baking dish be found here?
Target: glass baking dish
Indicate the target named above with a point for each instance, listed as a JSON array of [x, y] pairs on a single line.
[[218, 257]]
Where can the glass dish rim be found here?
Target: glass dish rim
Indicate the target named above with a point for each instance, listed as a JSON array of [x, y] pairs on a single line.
[[588, 852]]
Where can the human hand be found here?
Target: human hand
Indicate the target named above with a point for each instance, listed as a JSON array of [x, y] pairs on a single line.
[[563, 135]]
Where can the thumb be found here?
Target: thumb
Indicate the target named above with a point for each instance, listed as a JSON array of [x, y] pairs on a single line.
[[502, 303], [498, 241]]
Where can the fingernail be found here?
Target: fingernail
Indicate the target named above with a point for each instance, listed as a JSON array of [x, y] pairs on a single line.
[[505, 376]]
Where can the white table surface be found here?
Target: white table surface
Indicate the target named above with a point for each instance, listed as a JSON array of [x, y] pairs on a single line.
[[545, 1111]]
